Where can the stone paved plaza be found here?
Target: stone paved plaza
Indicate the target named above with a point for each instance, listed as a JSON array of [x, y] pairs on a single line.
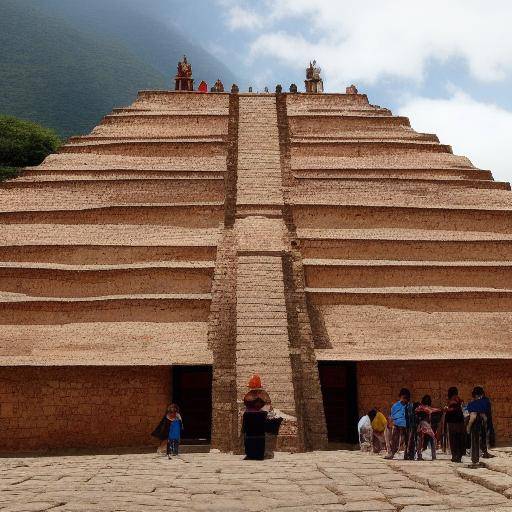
[[334, 480]]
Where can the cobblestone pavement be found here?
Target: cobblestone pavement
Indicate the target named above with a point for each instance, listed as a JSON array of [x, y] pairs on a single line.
[[334, 481]]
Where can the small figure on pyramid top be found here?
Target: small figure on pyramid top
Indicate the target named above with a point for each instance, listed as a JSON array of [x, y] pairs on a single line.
[[203, 86], [313, 82], [183, 78], [184, 68], [219, 86], [352, 89]]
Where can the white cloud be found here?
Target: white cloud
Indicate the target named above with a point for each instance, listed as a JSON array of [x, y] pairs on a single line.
[[371, 39], [240, 18], [480, 131]]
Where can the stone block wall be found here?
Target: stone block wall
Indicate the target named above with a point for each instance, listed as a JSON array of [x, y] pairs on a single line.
[[380, 381], [45, 408]]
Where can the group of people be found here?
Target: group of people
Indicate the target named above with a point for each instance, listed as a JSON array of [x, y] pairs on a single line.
[[414, 425]]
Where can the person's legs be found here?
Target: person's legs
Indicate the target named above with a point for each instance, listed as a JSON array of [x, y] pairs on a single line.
[[410, 443], [475, 431], [175, 446], [419, 446], [432, 441], [394, 442], [378, 441], [456, 438]]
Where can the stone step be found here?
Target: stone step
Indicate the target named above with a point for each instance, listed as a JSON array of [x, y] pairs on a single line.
[[150, 147], [305, 102], [28, 310], [387, 217], [411, 160], [342, 180], [105, 162], [53, 280], [129, 236], [113, 177], [22, 195], [336, 147], [323, 273], [419, 298], [347, 246], [188, 215], [312, 122], [162, 125], [329, 134], [394, 173], [97, 254]]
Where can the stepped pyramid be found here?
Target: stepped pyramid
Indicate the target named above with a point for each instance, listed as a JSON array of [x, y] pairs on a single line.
[[192, 240]]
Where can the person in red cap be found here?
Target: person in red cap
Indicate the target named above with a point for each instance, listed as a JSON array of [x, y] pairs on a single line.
[[254, 419]]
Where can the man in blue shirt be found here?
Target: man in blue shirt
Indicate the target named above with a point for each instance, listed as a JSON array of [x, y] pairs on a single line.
[[479, 413], [399, 419]]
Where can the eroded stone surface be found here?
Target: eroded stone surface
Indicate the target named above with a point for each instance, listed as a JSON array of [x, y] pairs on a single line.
[[337, 481]]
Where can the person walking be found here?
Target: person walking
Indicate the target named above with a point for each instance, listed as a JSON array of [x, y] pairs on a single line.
[[454, 417], [175, 428], [161, 431]]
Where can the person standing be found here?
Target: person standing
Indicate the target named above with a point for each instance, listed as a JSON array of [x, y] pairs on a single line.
[[424, 414], [254, 420], [479, 410], [379, 426], [398, 418], [175, 428], [455, 423]]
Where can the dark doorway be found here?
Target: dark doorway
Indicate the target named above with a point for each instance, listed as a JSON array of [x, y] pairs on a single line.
[[339, 393], [192, 391]]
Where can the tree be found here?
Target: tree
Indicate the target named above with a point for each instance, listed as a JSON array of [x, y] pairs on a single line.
[[23, 143]]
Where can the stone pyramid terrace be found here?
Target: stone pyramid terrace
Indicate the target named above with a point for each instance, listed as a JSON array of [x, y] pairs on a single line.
[[193, 239]]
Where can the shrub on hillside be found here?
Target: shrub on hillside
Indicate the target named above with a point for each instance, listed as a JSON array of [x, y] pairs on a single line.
[[24, 143]]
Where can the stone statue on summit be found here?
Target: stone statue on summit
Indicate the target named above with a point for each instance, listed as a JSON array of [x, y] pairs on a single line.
[[183, 78], [184, 68], [313, 81]]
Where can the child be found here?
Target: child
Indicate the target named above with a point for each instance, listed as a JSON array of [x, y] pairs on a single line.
[[175, 427], [424, 414]]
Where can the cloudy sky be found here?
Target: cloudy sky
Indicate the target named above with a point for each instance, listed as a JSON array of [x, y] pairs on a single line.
[[445, 64]]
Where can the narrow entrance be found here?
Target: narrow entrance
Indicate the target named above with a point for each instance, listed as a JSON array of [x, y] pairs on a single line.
[[192, 392], [339, 392]]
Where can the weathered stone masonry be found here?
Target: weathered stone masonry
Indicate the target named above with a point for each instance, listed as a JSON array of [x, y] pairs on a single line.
[[251, 233]]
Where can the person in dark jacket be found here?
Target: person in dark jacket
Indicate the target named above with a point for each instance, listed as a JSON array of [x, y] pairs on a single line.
[[455, 423], [479, 410], [162, 429], [254, 420]]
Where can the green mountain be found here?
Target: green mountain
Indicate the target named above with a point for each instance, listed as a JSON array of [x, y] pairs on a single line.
[[66, 63]]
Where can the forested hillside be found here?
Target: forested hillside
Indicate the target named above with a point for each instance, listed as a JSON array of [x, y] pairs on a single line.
[[66, 63]]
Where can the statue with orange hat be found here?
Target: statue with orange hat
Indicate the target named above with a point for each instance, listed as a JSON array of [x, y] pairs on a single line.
[[260, 423]]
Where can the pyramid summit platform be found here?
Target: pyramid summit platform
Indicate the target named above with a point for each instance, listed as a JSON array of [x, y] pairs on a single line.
[[192, 240]]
